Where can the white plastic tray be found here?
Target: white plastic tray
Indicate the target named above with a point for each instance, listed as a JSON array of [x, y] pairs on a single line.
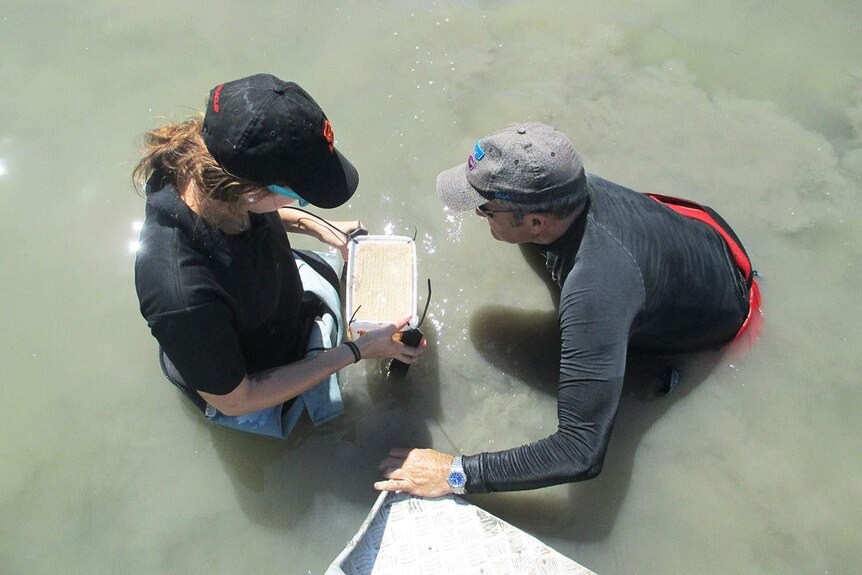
[[381, 281]]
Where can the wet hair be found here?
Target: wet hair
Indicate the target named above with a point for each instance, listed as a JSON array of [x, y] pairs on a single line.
[[558, 208], [179, 153]]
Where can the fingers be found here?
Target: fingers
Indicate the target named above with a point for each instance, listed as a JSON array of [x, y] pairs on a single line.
[[391, 485], [390, 469], [384, 341], [396, 478], [401, 323], [393, 460], [411, 355], [406, 353], [408, 359], [417, 351], [420, 472]]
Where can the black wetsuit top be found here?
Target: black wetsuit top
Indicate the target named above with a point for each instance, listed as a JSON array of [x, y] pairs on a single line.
[[220, 306], [633, 274]]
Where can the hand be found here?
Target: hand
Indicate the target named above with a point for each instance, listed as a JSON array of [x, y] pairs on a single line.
[[420, 472], [383, 342], [331, 233], [340, 241]]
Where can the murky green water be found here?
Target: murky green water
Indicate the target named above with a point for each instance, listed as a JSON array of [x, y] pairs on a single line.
[[752, 467]]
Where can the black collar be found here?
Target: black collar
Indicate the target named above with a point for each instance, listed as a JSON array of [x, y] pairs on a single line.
[[571, 240], [164, 205], [560, 255]]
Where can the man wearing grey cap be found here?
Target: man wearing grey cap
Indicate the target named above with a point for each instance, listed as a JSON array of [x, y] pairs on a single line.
[[636, 271]]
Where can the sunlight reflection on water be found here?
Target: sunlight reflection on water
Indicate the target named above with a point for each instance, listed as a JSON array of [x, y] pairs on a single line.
[[686, 98]]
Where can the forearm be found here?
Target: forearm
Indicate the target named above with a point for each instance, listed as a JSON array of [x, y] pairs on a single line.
[[270, 387], [301, 222], [334, 234], [542, 463], [586, 411], [274, 386], [296, 221]]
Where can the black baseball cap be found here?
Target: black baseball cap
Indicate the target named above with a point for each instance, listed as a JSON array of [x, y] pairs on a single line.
[[269, 131]]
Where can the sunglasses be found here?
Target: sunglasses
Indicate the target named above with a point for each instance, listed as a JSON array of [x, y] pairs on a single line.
[[489, 213]]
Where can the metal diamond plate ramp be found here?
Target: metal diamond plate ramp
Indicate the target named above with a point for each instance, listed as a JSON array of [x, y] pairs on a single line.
[[445, 536]]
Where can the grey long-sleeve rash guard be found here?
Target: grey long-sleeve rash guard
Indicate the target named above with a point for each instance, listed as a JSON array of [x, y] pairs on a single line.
[[632, 273]]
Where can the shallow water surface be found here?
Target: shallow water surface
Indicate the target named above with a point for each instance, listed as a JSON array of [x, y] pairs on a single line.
[[750, 467]]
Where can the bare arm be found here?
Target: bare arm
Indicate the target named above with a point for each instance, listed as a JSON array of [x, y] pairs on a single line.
[[273, 386], [300, 222]]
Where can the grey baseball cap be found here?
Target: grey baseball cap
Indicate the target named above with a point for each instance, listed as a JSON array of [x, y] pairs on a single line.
[[526, 163]]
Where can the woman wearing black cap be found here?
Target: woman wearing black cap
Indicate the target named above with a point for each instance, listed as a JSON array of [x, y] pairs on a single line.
[[215, 274]]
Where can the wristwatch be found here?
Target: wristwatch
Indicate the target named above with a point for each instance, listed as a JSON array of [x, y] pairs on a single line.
[[457, 479]]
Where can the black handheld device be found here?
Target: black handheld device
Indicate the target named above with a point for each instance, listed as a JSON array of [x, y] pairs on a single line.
[[412, 337]]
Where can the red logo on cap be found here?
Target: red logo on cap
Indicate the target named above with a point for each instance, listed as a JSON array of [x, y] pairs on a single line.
[[329, 135], [216, 97]]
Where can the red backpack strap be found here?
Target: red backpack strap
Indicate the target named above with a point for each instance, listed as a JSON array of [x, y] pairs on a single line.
[[704, 214], [696, 211]]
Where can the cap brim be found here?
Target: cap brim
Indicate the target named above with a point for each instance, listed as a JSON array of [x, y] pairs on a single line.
[[327, 185], [455, 190]]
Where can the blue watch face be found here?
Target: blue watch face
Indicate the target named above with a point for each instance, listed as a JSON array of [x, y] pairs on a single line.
[[457, 479]]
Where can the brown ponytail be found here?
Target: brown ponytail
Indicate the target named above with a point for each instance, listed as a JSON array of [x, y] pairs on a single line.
[[179, 151]]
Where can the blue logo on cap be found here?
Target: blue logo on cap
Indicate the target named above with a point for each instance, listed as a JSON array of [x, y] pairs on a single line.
[[478, 154]]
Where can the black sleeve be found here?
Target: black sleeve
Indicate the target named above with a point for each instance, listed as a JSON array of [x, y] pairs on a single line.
[[586, 411], [597, 308], [203, 345]]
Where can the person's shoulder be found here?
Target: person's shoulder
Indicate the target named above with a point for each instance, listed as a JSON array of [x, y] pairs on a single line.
[[169, 273], [606, 276], [598, 184], [612, 201], [604, 258], [160, 249], [602, 250]]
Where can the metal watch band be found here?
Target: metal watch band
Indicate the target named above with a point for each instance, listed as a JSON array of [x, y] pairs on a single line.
[[457, 479]]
